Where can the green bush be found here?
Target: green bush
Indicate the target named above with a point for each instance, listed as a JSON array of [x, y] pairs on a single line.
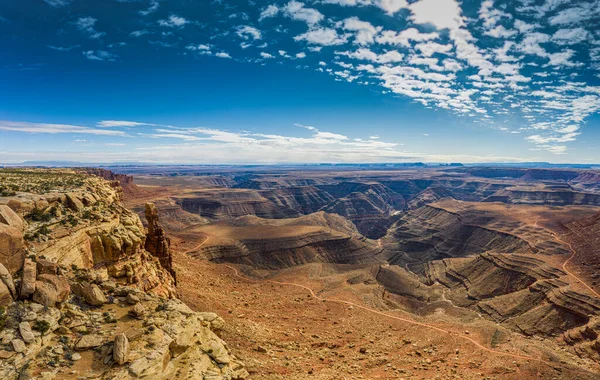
[[3, 317], [41, 326], [37, 215]]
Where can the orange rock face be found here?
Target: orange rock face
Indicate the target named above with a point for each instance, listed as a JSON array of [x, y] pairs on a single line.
[[157, 243], [12, 247]]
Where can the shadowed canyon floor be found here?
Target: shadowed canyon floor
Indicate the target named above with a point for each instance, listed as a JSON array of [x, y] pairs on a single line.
[[410, 273]]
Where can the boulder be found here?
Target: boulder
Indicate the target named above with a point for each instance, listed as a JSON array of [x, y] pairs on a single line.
[[5, 296], [58, 291], [217, 351], [46, 267], [11, 218], [89, 341], [12, 247], [216, 322], [26, 332], [73, 202], [121, 349], [18, 345], [6, 354], [7, 279], [151, 365], [29, 277], [138, 311], [91, 293], [182, 342], [132, 299], [45, 294]]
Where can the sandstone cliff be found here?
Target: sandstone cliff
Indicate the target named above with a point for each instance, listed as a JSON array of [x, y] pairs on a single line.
[[86, 291]]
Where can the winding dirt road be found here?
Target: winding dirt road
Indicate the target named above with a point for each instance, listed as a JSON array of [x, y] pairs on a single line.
[[420, 324], [406, 320], [564, 266], [197, 247]]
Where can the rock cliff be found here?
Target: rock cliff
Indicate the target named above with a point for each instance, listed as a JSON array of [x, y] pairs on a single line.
[[86, 291]]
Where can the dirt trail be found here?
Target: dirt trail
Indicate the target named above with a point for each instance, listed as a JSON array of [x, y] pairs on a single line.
[[197, 247], [564, 266], [410, 321]]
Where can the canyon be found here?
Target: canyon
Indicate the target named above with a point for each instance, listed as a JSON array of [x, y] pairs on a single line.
[[318, 272]]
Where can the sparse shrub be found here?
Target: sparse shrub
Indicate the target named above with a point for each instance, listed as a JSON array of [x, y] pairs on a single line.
[[44, 230], [3, 317], [37, 215], [73, 220], [41, 326]]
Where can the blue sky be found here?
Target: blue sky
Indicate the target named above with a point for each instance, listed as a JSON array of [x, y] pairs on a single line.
[[300, 81]]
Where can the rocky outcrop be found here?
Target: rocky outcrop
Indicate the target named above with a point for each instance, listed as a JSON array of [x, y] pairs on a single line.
[[89, 291], [121, 349], [7, 279], [29, 277], [84, 225], [157, 243], [12, 245]]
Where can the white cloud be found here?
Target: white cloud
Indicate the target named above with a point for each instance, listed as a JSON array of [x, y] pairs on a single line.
[[63, 48], [222, 55], [576, 14], [366, 54], [430, 48], [151, 9], [57, 3], [269, 11], [297, 11], [531, 44], [365, 32], [404, 37], [99, 55], [524, 27], [246, 32], [138, 33], [322, 36], [391, 6], [570, 36], [561, 58], [173, 21], [301, 55], [120, 123], [87, 25], [26, 127], [490, 15], [443, 14], [201, 47], [501, 54], [266, 55], [500, 32]]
